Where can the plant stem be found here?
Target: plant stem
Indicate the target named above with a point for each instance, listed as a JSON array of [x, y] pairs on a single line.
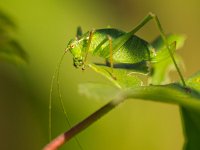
[[61, 139], [166, 94]]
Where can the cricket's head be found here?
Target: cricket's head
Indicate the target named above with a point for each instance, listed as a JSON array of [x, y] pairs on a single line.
[[78, 62], [75, 48]]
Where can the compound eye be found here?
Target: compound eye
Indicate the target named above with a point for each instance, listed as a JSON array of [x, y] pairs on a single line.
[[72, 46]]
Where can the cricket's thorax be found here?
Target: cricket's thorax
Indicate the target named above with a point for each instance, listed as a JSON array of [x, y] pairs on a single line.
[[76, 50]]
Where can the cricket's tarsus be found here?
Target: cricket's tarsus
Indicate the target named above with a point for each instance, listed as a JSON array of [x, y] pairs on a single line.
[[83, 68], [188, 90]]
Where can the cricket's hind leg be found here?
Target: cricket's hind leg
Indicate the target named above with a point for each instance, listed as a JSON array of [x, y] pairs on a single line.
[[152, 16], [110, 62], [124, 38], [87, 48]]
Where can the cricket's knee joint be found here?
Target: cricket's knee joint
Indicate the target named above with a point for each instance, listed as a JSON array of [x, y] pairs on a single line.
[[109, 37], [152, 14], [92, 31]]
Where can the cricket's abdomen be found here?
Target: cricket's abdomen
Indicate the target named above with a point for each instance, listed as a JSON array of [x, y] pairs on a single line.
[[133, 51]]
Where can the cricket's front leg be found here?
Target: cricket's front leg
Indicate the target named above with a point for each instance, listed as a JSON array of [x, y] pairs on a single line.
[[87, 48]]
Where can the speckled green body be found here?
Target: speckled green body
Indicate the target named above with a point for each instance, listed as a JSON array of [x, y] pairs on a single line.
[[134, 50]]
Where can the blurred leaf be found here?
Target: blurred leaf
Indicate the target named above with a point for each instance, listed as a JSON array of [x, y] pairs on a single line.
[[98, 91], [12, 52], [10, 49], [18, 50], [120, 77], [159, 45], [6, 22], [161, 70], [194, 82], [162, 67]]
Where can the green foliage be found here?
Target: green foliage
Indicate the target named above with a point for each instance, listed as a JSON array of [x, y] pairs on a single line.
[[188, 100], [130, 87], [163, 63], [10, 49], [191, 119]]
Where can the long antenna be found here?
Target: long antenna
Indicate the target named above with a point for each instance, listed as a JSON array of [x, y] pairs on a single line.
[[56, 75], [50, 96]]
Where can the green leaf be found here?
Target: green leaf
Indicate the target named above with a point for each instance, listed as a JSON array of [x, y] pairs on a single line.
[[120, 77], [194, 82], [171, 93], [187, 99], [191, 123], [191, 119]]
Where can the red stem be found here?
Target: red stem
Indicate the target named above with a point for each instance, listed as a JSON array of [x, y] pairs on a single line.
[[64, 137]]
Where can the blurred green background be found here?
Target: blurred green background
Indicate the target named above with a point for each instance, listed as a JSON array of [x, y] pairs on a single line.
[[44, 28]]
